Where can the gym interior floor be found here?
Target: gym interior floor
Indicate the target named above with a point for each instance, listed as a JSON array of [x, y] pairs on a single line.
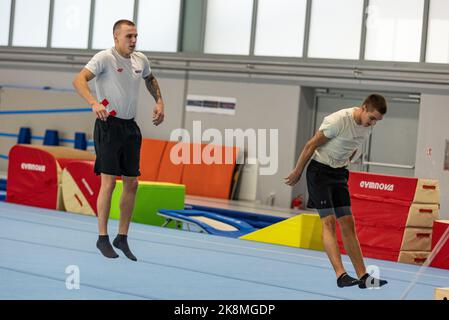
[[37, 246]]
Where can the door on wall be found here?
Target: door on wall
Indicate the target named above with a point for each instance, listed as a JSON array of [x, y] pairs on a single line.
[[391, 148]]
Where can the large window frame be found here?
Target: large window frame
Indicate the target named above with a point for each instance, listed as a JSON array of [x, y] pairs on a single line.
[[251, 57]]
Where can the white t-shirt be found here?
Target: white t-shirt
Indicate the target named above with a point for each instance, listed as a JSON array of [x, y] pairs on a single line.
[[118, 80], [345, 136]]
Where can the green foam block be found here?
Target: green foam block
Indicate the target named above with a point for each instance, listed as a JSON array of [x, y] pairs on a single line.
[[150, 197]]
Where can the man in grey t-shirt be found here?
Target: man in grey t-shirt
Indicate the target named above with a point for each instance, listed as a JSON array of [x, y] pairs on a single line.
[[336, 142], [117, 137]]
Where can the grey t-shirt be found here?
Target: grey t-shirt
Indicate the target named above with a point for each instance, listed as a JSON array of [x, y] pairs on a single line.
[[345, 135], [118, 80]]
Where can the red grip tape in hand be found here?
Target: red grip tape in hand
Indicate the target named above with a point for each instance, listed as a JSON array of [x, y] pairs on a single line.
[[105, 102]]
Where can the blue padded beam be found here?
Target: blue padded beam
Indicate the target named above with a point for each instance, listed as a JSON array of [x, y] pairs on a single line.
[[188, 216]]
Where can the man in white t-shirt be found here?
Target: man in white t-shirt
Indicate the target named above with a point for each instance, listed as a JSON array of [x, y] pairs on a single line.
[[118, 72], [331, 149]]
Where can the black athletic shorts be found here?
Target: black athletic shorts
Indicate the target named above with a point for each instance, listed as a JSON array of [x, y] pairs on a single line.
[[328, 189], [117, 145]]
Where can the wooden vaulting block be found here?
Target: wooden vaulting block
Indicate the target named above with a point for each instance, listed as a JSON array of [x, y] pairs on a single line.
[[34, 174], [417, 239], [427, 191], [441, 293], [413, 257], [422, 215], [394, 215], [80, 187]]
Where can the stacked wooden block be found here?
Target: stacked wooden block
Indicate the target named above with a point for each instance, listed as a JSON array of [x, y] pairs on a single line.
[[417, 240], [441, 293]]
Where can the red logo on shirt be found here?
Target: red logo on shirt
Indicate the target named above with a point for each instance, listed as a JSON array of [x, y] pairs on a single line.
[[120, 69]]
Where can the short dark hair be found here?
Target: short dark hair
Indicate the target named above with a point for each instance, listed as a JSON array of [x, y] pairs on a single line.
[[118, 24], [377, 102]]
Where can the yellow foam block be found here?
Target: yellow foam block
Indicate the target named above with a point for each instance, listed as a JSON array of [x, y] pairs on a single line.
[[441, 293], [302, 231]]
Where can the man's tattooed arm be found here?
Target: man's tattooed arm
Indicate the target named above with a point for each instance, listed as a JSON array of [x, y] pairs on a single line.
[[153, 86]]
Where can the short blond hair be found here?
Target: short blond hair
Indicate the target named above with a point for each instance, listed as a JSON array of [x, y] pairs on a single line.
[[119, 23]]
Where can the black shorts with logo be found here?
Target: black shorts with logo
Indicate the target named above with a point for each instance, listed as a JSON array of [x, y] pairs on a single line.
[[117, 145], [328, 189]]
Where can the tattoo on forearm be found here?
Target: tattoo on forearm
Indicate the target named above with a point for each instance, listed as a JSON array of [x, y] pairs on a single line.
[[153, 86]]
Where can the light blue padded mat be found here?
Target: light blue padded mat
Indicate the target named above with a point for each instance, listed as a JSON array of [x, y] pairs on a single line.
[[37, 245]]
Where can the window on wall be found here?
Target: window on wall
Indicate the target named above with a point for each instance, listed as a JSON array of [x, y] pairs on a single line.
[[5, 13], [394, 30], [107, 12], [71, 24], [228, 26], [335, 29], [438, 32], [158, 25], [280, 28], [31, 23]]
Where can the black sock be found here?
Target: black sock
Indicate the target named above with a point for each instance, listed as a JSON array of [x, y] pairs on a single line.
[[346, 280], [105, 247], [368, 281], [121, 243]]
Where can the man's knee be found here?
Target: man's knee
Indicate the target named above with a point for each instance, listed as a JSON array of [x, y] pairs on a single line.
[[329, 223], [130, 185], [347, 225], [108, 183]]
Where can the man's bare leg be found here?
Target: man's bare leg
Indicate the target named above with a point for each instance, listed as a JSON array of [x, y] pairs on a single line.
[[351, 243], [103, 208], [127, 201], [333, 252], [330, 244], [352, 246]]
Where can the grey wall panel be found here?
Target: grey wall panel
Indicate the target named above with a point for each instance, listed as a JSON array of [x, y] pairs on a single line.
[[38, 76], [259, 106], [304, 133], [394, 138], [433, 131], [27, 99], [5, 145], [66, 123], [172, 88]]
